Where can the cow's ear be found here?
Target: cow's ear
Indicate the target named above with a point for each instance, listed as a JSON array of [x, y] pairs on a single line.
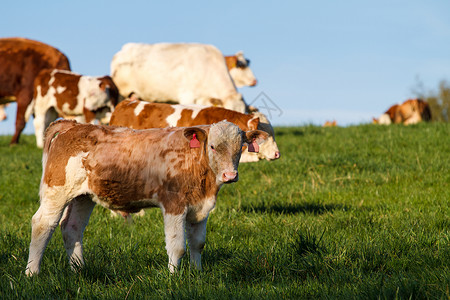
[[253, 123], [231, 61], [254, 138], [200, 136]]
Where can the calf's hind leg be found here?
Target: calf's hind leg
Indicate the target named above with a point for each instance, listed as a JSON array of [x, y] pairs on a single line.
[[43, 224], [74, 221], [196, 236]]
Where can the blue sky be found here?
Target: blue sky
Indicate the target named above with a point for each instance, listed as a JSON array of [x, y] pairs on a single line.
[[317, 60]]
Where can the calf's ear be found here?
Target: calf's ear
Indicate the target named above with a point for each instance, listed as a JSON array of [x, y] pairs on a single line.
[[254, 138], [200, 136], [253, 123]]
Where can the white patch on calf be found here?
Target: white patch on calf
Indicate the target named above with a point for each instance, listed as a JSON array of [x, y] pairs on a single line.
[[60, 89], [196, 109], [139, 108], [172, 119]]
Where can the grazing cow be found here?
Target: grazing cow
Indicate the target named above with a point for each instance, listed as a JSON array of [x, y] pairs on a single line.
[[20, 62], [142, 115], [180, 73], [239, 68], [68, 95], [177, 169], [411, 111]]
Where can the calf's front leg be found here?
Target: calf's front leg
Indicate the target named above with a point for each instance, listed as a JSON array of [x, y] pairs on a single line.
[[175, 240]]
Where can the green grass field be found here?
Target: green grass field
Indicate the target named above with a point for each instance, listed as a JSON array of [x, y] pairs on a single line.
[[353, 213]]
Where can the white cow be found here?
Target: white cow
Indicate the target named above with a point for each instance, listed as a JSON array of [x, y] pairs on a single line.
[[181, 73]]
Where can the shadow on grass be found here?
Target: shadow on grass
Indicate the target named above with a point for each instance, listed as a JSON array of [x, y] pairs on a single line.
[[292, 209]]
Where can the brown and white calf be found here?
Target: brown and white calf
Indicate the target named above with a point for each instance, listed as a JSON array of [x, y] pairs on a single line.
[[141, 115], [179, 170], [411, 111], [239, 68], [64, 94]]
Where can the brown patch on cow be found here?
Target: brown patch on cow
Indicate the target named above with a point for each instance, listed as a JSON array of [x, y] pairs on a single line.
[[216, 102], [88, 115], [156, 113], [42, 80], [392, 111], [71, 91], [55, 169], [231, 62]]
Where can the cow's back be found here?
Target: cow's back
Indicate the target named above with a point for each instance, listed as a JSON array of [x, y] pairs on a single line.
[[142, 115], [164, 72], [22, 59]]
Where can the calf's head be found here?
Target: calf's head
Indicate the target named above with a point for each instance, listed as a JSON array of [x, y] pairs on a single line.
[[269, 149], [223, 147]]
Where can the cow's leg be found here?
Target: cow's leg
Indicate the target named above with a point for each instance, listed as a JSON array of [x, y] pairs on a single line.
[[74, 221], [39, 126], [175, 240], [196, 236], [23, 100], [43, 223]]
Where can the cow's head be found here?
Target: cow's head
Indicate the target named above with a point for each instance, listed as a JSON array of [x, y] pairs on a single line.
[[239, 68], [223, 147], [100, 98], [269, 149]]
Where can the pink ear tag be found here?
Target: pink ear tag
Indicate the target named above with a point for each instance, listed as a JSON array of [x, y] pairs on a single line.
[[253, 147], [194, 143]]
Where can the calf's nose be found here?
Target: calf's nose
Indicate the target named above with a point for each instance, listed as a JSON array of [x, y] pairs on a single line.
[[277, 154], [255, 82], [230, 176]]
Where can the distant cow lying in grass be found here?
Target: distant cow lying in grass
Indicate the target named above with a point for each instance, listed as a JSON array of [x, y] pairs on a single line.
[[179, 170], [411, 111], [142, 115]]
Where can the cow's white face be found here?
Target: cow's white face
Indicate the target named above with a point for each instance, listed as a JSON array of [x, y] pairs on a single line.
[[224, 147], [269, 149], [242, 75], [94, 95]]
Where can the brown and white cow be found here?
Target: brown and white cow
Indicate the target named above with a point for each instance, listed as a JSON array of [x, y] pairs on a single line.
[[68, 95], [411, 111], [180, 73], [141, 115], [20, 62], [179, 170], [239, 68]]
